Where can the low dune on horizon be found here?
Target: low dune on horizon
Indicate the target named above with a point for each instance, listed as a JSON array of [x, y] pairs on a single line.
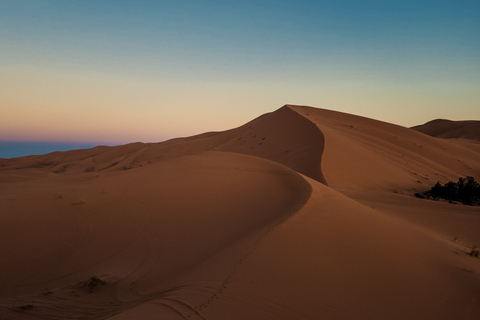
[[302, 213], [449, 129]]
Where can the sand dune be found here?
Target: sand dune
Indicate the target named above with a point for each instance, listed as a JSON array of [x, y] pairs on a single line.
[[302, 213], [448, 129]]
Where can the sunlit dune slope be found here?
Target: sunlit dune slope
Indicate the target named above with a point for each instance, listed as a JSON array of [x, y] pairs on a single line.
[[302, 213], [448, 129]]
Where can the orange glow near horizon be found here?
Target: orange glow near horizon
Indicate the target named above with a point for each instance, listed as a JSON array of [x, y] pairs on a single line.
[[99, 108]]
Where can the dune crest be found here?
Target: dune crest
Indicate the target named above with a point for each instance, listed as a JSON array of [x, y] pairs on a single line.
[[285, 137]]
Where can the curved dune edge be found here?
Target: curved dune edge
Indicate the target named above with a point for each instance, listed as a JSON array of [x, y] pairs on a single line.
[[283, 136], [142, 234], [337, 259], [352, 262]]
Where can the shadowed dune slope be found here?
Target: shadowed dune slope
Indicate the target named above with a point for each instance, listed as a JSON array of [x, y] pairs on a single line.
[[448, 129]]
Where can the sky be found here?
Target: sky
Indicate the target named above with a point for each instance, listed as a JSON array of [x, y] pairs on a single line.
[[123, 71]]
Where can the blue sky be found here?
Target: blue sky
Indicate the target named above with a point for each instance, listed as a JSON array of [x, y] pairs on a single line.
[[125, 71]]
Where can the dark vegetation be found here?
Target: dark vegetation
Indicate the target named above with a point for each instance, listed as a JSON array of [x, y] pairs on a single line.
[[466, 191]]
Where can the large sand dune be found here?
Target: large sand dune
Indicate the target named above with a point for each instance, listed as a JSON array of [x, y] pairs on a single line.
[[302, 213]]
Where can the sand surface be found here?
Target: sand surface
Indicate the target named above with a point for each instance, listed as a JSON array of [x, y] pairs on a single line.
[[448, 129], [302, 213]]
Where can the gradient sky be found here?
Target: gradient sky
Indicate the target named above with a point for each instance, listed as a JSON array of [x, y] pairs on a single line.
[[124, 71]]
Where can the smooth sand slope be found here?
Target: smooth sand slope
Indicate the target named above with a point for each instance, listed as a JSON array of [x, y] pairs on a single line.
[[302, 213]]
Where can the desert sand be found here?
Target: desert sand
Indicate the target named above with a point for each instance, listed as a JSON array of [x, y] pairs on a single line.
[[448, 129], [302, 213]]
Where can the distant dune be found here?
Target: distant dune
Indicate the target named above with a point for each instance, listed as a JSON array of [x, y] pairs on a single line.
[[448, 129], [302, 213]]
